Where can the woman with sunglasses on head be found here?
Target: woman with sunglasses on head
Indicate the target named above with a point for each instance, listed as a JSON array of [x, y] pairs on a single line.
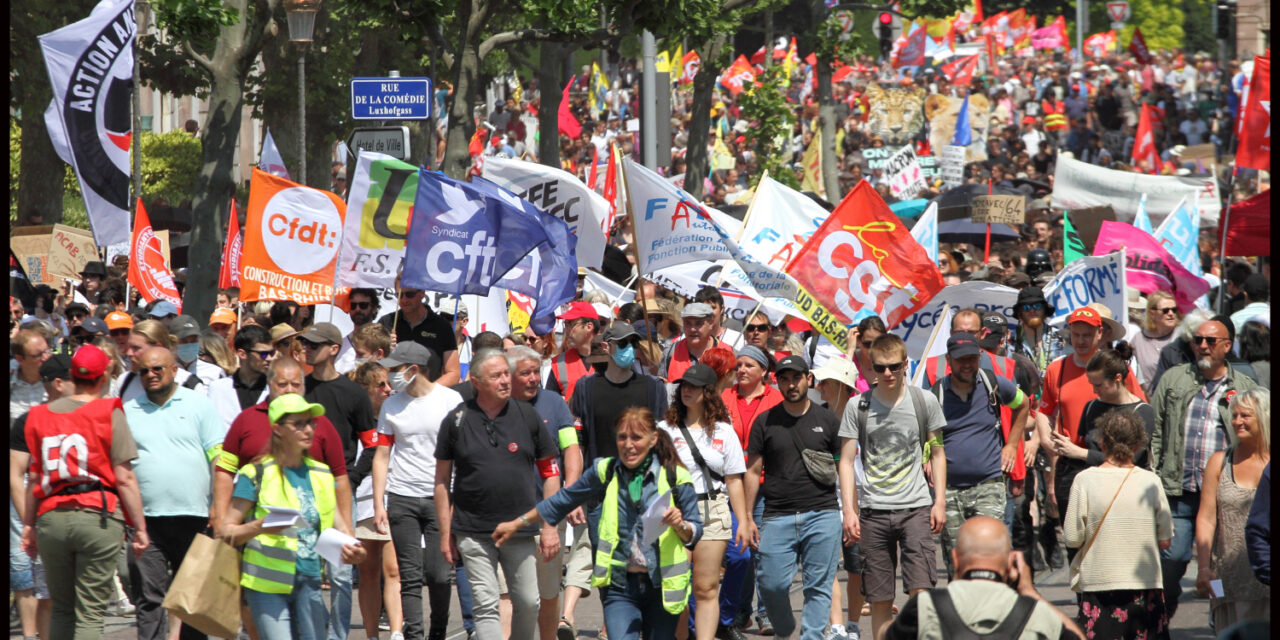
[[1158, 330], [698, 424]]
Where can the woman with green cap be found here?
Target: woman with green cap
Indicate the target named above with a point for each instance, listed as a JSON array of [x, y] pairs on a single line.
[[280, 569]]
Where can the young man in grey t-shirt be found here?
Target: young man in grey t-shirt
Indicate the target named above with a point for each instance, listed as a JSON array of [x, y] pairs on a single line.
[[897, 510]]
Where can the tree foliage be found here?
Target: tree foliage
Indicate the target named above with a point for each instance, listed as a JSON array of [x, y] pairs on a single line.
[[170, 166], [771, 118]]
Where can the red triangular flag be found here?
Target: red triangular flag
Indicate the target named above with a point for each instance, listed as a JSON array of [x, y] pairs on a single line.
[[148, 272], [1138, 47], [1144, 146], [1249, 227], [229, 274], [568, 124], [961, 69], [1254, 151]]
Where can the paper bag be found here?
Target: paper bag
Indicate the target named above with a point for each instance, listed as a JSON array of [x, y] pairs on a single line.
[[205, 593]]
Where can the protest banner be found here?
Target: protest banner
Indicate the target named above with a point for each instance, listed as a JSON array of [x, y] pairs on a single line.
[[1149, 267], [903, 172], [875, 263], [560, 194], [999, 209], [687, 279], [229, 274], [1195, 152], [149, 271], [69, 250], [1180, 235], [30, 246], [596, 281], [952, 166], [1079, 185], [930, 168], [981, 295], [1098, 279], [780, 221], [291, 239], [876, 158], [380, 202]]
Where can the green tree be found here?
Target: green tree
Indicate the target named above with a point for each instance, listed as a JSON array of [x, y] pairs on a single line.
[[771, 118], [170, 166]]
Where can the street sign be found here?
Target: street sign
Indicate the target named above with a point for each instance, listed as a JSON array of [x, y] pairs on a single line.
[[845, 18], [1119, 11], [390, 98], [1117, 25], [393, 141]]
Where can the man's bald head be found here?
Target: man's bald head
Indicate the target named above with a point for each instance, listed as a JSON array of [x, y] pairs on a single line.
[[982, 543], [156, 357]]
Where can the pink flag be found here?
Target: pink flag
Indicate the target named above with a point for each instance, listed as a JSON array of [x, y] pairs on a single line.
[[1148, 265]]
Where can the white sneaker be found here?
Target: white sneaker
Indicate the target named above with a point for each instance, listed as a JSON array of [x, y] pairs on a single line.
[[397, 636], [124, 608], [853, 632], [836, 632]]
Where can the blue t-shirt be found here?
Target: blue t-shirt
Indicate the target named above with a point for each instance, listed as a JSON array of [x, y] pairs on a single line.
[[308, 526], [555, 415], [972, 437]]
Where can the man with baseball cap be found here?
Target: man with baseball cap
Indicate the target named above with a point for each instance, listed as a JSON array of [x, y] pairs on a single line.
[[581, 324], [417, 321], [76, 517], [347, 406], [699, 325], [87, 331], [163, 309], [403, 503], [223, 322]]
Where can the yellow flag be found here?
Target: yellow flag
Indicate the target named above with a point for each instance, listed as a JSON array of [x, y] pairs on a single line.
[[677, 60], [811, 173], [599, 89], [662, 63]]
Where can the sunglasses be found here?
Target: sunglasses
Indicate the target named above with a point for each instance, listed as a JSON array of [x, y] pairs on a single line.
[[895, 367], [155, 371], [1206, 339], [409, 294], [1165, 310], [488, 431], [1034, 306], [306, 344], [265, 355], [121, 332], [361, 305], [756, 328], [298, 425]]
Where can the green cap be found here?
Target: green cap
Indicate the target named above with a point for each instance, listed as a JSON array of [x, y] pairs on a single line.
[[292, 403]]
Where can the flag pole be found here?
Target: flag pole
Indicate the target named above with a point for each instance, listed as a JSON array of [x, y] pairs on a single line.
[[747, 216], [1222, 246], [986, 252], [635, 244]]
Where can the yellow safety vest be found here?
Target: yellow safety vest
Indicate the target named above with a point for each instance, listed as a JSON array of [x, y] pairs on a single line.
[[673, 558], [270, 559]]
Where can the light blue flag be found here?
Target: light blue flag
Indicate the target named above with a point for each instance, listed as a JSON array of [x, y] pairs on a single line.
[[1180, 234], [1141, 220], [964, 133], [926, 231]]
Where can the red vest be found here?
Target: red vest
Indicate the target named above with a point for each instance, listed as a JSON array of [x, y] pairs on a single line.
[[681, 360], [568, 368], [936, 368], [69, 449]]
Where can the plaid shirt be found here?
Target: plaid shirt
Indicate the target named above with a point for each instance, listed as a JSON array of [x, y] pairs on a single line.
[[1206, 434]]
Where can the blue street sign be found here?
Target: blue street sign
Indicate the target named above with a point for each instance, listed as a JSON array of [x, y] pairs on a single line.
[[390, 98]]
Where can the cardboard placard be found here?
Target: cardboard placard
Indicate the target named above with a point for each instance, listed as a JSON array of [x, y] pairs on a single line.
[[952, 166], [1088, 223], [70, 249], [31, 246], [1198, 152], [1010, 210]]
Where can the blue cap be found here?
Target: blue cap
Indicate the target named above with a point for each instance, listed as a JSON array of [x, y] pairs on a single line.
[[162, 309]]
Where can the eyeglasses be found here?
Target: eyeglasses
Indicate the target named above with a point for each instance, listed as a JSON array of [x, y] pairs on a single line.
[[265, 355], [409, 294], [155, 371], [1165, 310], [1209, 339], [755, 328], [1034, 306], [298, 425], [361, 305], [77, 316], [895, 367]]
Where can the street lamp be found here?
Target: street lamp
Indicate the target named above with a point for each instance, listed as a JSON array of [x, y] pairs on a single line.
[[302, 25]]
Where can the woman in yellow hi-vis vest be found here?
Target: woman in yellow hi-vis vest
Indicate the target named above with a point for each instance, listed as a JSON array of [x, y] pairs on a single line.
[[280, 569], [644, 587]]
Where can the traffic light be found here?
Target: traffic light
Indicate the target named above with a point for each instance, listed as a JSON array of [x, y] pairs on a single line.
[[886, 34], [1226, 15]]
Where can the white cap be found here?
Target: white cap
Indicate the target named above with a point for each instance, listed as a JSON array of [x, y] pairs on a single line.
[[603, 310]]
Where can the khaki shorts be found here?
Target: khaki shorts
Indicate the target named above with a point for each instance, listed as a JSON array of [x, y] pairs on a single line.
[[717, 521], [366, 531], [548, 572], [579, 564]]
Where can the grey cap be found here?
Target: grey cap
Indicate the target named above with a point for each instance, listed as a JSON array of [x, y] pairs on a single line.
[[619, 331], [697, 310], [184, 327], [407, 353], [93, 325]]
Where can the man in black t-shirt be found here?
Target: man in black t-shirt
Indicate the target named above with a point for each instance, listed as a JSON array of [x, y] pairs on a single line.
[[495, 443], [801, 522], [418, 322]]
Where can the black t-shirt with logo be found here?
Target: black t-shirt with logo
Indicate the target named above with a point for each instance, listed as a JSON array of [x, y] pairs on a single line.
[[788, 486], [435, 332]]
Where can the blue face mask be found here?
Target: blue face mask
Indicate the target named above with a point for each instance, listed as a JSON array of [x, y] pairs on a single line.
[[189, 351], [625, 357]]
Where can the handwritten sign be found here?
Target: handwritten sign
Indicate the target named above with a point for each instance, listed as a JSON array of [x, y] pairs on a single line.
[[999, 209], [31, 247], [952, 165], [70, 249], [905, 178]]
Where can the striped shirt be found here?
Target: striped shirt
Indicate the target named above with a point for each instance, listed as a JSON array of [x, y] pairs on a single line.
[[1206, 435]]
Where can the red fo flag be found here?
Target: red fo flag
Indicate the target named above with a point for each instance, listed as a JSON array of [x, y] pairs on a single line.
[[1144, 147], [229, 275], [1249, 227], [568, 124], [1138, 47], [147, 269], [1254, 151], [960, 70]]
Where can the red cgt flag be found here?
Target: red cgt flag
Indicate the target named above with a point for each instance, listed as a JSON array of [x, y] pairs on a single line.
[[1144, 146], [229, 275], [147, 269], [1254, 151], [1138, 47], [960, 70]]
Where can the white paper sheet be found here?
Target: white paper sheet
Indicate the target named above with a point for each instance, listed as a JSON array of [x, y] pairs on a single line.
[[1215, 586], [652, 518], [329, 545], [280, 517]]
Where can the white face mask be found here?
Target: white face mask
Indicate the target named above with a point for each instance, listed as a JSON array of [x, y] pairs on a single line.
[[360, 361], [398, 380]]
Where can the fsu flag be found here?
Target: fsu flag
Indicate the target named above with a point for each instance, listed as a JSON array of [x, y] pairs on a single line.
[[737, 75], [90, 66], [1138, 47], [1144, 147], [229, 275], [291, 238], [147, 269], [1254, 151], [1248, 230]]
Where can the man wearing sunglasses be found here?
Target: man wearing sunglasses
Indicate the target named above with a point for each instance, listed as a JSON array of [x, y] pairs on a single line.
[[119, 326], [1033, 337], [1192, 423], [90, 329], [364, 305], [179, 434], [420, 323]]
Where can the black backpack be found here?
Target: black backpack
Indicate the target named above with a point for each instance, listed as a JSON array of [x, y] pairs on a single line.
[[954, 628]]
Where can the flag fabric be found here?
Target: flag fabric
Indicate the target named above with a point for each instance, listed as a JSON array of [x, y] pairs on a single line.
[[595, 169], [1051, 36], [1141, 220], [478, 139], [379, 204], [1148, 266], [270, 161], [689, 67], [811, 169], [781, 221], [737, 76], [1248, 231], [1144, 146], [912, 51], [1138, 47], [661, 62], [612, 191], [677, 60], [292, 234], [229, 274], [961, 69], [461, 240], [926, 231], [862, 259], [148, 272], [1254, 149], [963, 136], [789, 61], [599, 89], [1099, 45], [562, 195], [566, 122], [90, 65], [1179, 233], [1073, 245]]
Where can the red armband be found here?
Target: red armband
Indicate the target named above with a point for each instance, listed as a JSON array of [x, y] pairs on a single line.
[[548, 468], [369, 438], [386, 439]]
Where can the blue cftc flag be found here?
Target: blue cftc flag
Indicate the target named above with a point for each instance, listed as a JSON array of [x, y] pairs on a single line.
[[462, 241]]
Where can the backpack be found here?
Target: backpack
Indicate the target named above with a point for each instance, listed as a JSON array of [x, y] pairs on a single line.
[[917, 405], [988, 381], [954, 628]]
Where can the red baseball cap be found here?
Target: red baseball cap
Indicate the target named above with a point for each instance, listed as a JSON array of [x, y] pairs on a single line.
[[1085, 315], [89, 363], [579, 310], [797, 325]]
